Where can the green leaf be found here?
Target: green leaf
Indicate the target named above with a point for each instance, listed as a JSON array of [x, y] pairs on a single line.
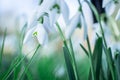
[[74, 61], [30, 62], [97, 57], [111, 64], [70, 69], [84, 50]]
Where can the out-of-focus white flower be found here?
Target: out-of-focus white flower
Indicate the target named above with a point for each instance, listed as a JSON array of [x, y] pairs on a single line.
[[87, 20], [81, 20], [74, 22], [53, 9], [105, 3], [39, 11], [59, 7], [38, 32], [109, 6], [118, 15]]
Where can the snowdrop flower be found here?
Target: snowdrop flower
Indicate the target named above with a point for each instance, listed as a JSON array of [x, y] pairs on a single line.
[[109, 6], [59, 7], [46, 23], [37, 32], [77, 21], [74, 22], [39, 11], [118, 15]]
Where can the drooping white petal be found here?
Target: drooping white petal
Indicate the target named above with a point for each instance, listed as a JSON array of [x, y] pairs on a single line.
[[47, 4], [39, 11], [53, 15], [105, 3], [64, 10], [47, 26], [118, 15], [28, 35], [32, 19], [84, 25], [110, 8], [41, 34], [45, 7], [86, 19], [73, 24]]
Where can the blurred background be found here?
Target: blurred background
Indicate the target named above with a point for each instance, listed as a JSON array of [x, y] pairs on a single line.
[[49, 62]]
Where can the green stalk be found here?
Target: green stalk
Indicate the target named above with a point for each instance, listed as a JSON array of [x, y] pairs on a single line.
[[60, 31], [90, 59], [70, 51], [90, 52], [31, 60], [73, 60], [14, 66]]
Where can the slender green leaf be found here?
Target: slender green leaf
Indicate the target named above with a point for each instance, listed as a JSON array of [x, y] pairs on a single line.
[[30, 62], [91, 60], [84, 50], [70, 69], [97, 57], [74, 61]]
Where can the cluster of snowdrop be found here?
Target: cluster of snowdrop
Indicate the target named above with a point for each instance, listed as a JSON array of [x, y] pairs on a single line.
[[46, 15]]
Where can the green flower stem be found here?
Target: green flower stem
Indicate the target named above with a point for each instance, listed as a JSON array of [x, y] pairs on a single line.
[[16, 64], [90, 59], [60, 31], [73, 59], [71, 52], [90, 52], [31, 60]]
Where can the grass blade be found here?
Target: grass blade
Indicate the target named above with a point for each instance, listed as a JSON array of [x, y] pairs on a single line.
[[84, 50], [31, 60], [69, 64], [91, 60], [74, 61], [97, 57]]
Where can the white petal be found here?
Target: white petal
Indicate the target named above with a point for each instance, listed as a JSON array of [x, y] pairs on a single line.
[[110, 8], [47, 4], [47, 26], [105, 3], [28, 35], [39, 11], [32, 20], [118, 15], [42, 36], [84, 25], [87, 19], [53, 15], [64, 10], [73, 24]]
